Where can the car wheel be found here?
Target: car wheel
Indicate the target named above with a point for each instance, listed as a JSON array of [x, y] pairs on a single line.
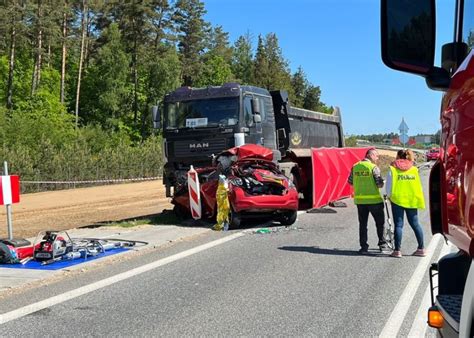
[[288, 218]]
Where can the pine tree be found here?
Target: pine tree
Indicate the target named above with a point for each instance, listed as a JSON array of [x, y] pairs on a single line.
[[133, 21], [193, 33], [279, 74], [271, 69], [217, 60], [261, 76], [219, 44], [242, 60], [299, 83], [12, 29], [311, 98], [45, 31], [107, 86]]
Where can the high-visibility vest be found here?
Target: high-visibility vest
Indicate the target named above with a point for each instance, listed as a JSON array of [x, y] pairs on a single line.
[[407, 191], [365, 189]]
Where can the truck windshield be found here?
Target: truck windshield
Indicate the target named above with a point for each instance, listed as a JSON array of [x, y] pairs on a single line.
[[202, 113]]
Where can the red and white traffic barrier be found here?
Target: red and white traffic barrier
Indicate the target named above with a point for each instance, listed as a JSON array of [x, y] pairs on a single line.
[[194, 193], [10, 189]]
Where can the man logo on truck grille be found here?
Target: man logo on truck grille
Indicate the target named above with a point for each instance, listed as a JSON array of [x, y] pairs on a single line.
[[295, 138], [198, 146]]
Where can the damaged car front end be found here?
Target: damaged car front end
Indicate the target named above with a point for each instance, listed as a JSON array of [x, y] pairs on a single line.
[[256, 187]]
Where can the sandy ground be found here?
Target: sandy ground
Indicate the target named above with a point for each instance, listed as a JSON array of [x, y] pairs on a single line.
[[385, 152], [68, 209]]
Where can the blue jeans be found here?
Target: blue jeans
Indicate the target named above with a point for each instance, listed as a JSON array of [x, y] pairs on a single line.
[[412, 216]]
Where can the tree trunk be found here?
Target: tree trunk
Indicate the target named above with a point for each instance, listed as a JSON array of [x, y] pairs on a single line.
[[81, 58], [11, 66], [63, 56], [135, 81], [40, 53], [159, 28], [87, 42], [49, 54], [39, 44]]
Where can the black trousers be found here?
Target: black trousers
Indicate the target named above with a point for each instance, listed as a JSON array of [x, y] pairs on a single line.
[[377, 212]]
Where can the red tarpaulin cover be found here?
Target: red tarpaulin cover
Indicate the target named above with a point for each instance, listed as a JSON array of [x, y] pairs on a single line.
[[331, 169]]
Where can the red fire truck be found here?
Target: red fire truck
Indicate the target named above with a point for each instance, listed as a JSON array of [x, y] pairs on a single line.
[[408, 44]]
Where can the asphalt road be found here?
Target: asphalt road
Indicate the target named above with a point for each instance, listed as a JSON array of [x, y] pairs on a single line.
[[307, 280]]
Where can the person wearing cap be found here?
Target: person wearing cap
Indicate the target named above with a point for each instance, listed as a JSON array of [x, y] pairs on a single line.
[[366, 180]]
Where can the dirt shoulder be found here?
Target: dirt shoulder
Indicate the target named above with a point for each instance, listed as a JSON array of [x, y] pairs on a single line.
[[68, 209]]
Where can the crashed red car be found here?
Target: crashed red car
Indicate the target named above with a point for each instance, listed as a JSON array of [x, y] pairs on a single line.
[[257, 188]]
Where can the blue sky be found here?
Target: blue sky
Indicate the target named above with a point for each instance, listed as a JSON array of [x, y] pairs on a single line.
[[337, 43]]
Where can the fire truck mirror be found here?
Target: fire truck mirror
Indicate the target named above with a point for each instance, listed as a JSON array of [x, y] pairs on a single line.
[[408, 35]]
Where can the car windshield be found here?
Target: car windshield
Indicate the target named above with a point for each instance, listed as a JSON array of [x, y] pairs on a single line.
[[202, 113]]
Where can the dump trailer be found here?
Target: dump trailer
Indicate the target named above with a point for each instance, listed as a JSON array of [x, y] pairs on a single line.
[[199, 123]]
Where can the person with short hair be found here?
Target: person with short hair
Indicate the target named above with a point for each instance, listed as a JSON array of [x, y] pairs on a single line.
[[405, 192], [366, 180]]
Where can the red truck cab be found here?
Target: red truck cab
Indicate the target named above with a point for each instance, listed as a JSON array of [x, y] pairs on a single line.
[[408, 44]]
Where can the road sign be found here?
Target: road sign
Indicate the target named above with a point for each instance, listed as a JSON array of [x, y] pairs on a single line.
[[403, 128], [10, 190], [404, 138]]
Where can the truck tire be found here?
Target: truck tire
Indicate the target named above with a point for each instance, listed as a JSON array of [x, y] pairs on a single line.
[[294, 178], [288, 218], [181, 213], [234, 220]]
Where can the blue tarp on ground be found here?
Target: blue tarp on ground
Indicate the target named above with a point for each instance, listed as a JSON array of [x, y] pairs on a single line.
[[62, 264]]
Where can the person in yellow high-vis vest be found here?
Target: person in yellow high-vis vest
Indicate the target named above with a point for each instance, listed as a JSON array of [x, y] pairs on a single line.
[[405, 192], [366, 180]]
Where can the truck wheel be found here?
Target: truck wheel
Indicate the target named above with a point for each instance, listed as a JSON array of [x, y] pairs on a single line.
[[294, 178], [288, 218], [181, 213], [234, 220]]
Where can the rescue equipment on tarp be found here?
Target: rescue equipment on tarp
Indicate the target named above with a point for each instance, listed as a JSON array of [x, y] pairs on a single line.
[[53, 246]]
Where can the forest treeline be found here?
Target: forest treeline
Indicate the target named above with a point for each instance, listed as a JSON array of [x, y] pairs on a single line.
[[78, 78]]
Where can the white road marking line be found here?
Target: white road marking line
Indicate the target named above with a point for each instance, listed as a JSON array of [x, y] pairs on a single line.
[[419, 326], [26, 310], [394, 322]]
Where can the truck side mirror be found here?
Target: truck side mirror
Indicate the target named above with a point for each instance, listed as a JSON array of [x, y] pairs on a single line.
[[155, 112], [257, 118], [281, 138], [255, 106]]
